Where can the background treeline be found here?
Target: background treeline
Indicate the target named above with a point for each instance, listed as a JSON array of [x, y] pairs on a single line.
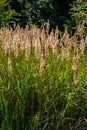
[[64, 13]]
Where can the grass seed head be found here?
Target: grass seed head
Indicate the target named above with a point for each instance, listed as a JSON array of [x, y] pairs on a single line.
[[82, 45], [42, 65]]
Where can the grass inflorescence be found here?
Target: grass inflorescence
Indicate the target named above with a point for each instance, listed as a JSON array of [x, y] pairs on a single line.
[[43, 79]]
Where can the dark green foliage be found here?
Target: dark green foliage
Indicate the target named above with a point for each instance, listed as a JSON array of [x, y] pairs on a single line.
[[39, 11], [5, 12], [59, 12], [78, 13]]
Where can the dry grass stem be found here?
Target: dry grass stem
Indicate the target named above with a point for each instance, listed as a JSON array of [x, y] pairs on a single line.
[[82, 45], [80, 28], [42, 65], [75, 65], [9, 65]]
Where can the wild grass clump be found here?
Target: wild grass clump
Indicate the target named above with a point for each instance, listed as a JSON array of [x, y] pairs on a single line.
[[43, 79]]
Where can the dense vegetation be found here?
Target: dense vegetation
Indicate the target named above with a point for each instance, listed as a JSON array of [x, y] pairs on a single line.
[[64, 13], [43, 71], [43, 79]]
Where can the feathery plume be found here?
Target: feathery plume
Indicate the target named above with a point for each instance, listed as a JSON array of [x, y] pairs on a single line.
[[82, 45]]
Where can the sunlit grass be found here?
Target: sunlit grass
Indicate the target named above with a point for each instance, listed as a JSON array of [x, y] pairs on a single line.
[[46, 99]]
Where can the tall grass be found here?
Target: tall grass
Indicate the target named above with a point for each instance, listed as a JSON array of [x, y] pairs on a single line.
[[43, 79]]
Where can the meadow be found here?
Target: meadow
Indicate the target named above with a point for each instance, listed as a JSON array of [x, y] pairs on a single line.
[[43, 79]]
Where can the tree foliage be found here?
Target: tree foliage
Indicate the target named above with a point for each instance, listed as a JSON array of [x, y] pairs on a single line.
[[79, 11], [59, 12], [5, 12]]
